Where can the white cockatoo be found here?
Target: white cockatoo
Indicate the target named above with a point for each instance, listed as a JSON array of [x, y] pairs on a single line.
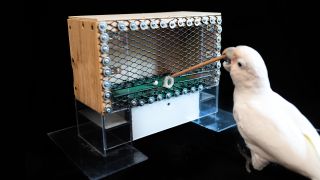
[[273, 129]]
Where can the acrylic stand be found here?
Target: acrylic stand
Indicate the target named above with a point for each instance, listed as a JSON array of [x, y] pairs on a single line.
[[101, 144]]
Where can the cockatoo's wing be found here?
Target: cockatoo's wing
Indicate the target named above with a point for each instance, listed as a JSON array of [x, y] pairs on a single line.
[[275, 131], [309, 132]]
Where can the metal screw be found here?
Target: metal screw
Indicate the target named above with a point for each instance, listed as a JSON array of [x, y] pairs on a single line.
[[108, 109], [180, 22], [102, 26], [154, 24], [159, 97], [134, 102], [216, 72], [200, 87], [107, 71], [106, 61], [141, 102], [143, 25], [107, 95], [168, 95], [217, 46], [133, 26], [106, 84], [197, 22], [216, 81], [219, 20], [184, 90], [189, 22], [177, 92], [121, 26], [163, 24], [104, 37], [219, 29], [172, 24], [205, 20], [217, 64], [151, 99], [218, 38], [193, 89], [212, 20], [104, 48]]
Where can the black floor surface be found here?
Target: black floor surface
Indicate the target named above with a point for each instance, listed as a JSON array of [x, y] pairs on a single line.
[[184, 152]]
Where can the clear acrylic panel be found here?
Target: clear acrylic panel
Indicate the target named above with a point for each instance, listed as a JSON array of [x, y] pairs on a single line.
[[103, 131]]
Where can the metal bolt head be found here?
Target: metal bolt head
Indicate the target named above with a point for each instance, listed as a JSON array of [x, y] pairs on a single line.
[[102, 26], [163, 24], [193, 89], [106, 84], [219, 20], [107, 71], [216, 81], [180, 23], [184, 90], [217, 46], [141, 102], [108, 109], [154, 24], [172, 24], [217, 64], [133, 26], [106, 61], [104, 37], [143, 25], [104, 48], [151, 99], [107, 95], [212, 20], [200, 87], [197, 22], [177, 92], [134, 102], [189, 22], [216, 72], [121, 26], [219, 29], [218, 38], [205, 20], [159, 97]]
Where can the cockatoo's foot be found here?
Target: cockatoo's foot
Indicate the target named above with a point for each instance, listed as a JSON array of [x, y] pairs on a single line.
[[246, 156]]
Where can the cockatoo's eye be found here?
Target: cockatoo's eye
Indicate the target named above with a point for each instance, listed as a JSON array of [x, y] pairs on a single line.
[[239, 64]]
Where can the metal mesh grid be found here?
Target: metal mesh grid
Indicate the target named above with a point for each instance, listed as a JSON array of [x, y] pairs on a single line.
[[141, 59]]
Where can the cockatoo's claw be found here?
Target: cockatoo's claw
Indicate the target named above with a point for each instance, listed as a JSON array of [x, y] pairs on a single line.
[[246, 156]]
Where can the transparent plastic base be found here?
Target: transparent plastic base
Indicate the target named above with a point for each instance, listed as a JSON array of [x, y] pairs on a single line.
[[89, 161], [100, 144], [217, 122]]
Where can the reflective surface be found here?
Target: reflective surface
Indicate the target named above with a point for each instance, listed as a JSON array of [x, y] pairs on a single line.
[[218, 121], [90, 162]]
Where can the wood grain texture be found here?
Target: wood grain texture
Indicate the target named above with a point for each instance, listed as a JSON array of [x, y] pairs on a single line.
[[84, 50], [119, 17]]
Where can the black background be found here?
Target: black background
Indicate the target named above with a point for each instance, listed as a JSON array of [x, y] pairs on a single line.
[[283, 32]]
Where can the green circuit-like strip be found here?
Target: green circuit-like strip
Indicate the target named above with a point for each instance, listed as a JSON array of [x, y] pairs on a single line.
[[139, 88]]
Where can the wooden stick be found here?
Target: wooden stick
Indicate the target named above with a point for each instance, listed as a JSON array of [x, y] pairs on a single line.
[[198, 66]]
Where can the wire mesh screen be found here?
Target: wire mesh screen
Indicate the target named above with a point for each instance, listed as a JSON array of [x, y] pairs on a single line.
[[139, 60]]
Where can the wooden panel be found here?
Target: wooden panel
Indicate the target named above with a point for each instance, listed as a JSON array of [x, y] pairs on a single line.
[[84, 47], [147, 15]]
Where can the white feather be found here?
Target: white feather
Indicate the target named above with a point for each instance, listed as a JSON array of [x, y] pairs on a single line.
[[273, 129]]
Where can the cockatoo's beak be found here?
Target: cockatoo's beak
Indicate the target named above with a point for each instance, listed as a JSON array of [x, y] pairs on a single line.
[[227, 61]]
